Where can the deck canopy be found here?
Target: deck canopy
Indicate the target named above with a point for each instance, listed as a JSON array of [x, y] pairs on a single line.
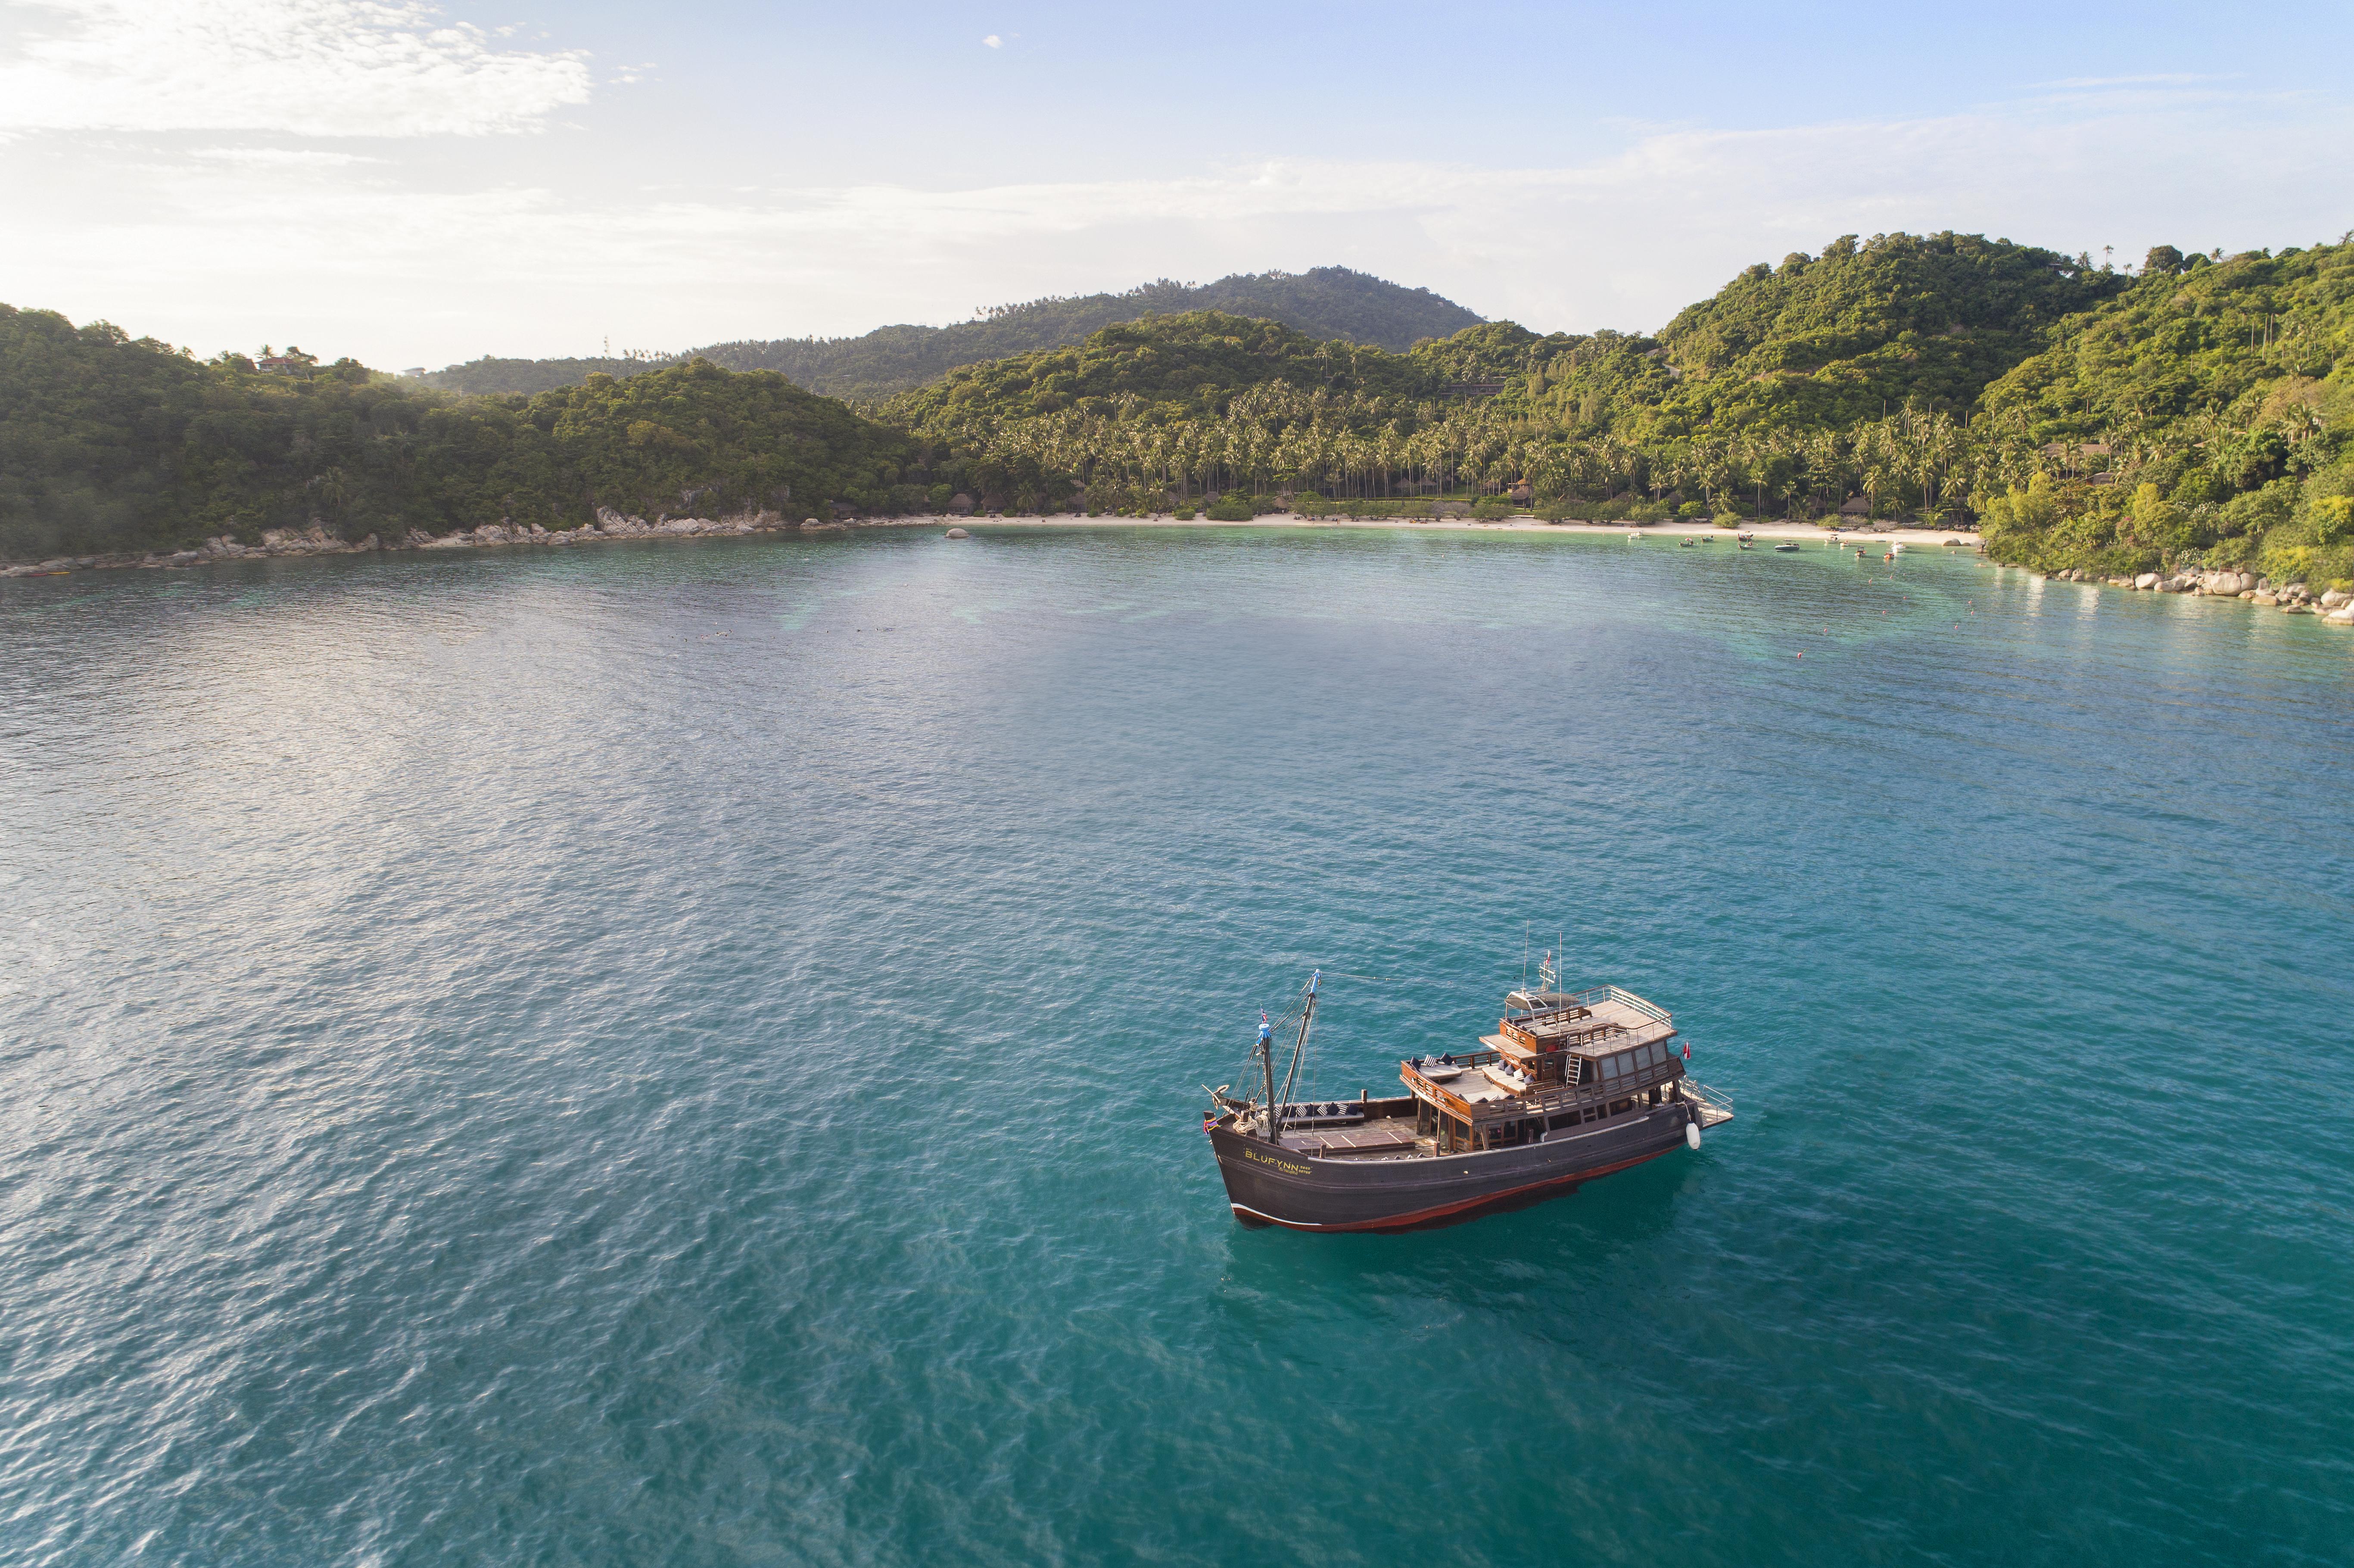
[[1566, 1050]]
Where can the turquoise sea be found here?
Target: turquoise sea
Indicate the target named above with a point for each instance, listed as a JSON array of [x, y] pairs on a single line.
[[690, 1053]]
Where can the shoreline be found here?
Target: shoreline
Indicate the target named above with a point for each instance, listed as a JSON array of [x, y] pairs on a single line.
[[2334, 608], [610, 524], [1778, 531]]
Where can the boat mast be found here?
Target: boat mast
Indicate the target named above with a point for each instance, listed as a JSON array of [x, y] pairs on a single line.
[[1298, 1046], [1267, 1060]]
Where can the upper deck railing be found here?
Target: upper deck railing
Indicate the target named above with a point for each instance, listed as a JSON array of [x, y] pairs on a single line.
[[1544, 1099], [1570, 1001], [1625, 999]]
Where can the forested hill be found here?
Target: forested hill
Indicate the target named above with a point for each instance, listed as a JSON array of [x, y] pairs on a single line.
[[2196, 410], [1820, 342], [113, 444], [1324, 302], [2199, 410], [1907, 324]]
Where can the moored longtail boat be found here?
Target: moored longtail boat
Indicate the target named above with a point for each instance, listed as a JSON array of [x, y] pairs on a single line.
[[1571, 1086]]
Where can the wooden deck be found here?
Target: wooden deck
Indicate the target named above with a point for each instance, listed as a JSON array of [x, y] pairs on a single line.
[[1390, 1134]]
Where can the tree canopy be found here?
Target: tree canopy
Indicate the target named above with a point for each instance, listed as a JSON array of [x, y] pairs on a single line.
[[109, 443], [1931, 376], [2195, 412]]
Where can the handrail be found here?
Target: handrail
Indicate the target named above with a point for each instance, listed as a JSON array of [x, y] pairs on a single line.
[[1708, 1095], [1544, 1100], [1628, 999]]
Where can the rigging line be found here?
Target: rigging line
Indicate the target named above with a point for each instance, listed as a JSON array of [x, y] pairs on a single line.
[[1400, 979]]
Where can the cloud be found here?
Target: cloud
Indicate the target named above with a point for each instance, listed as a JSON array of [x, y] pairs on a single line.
[[401, 273], [2156, 78], [994, 42], [283, 157], [308, 68]]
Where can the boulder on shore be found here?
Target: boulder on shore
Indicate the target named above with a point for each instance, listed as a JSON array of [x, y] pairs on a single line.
[[2146, 581]]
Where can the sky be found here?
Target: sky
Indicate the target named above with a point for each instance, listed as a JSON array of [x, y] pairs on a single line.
[[417, 184]]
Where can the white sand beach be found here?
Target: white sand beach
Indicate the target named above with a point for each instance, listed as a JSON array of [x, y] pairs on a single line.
[[1764, 531]]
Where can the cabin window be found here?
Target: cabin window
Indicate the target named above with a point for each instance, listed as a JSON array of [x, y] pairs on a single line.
[[1648, 1056], [1620, 1108]]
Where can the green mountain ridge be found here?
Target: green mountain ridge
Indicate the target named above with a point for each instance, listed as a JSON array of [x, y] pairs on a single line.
[[2094, 419], [1324, 302], [2192, 414]]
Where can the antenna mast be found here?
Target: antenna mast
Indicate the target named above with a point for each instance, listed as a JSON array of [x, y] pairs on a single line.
[[1267, 1129], [1298, 1046]]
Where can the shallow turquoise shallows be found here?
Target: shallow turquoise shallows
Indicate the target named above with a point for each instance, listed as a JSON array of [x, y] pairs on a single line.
[[688, 1054]]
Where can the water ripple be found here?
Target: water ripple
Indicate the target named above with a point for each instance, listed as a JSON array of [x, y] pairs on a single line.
[[687, 1053]]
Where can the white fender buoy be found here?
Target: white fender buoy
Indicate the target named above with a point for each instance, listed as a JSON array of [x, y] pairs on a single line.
[[1691, 1133]]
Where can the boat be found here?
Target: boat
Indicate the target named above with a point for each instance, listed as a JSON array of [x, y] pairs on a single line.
[[1786, 549], [1744, 544], [1571, 1086], [1690, 543]]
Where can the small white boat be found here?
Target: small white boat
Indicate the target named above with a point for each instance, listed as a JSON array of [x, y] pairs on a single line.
[[1632, 534]]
